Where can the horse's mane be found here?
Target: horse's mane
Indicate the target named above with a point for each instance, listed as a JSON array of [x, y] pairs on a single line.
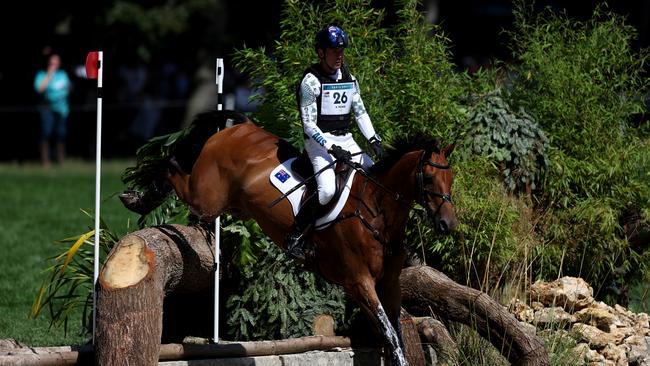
[[402, 146]]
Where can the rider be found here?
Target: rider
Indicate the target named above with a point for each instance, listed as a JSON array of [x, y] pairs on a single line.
[[328, 98]]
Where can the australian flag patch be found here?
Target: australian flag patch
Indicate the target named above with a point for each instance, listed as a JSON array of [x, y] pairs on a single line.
[[282, 175]]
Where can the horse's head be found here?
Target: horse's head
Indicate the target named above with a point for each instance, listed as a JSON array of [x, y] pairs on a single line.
[[434, 179]]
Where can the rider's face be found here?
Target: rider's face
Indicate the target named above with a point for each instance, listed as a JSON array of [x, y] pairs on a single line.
[[331, 59]]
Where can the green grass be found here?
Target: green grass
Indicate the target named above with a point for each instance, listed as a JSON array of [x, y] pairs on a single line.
[[39, 207]]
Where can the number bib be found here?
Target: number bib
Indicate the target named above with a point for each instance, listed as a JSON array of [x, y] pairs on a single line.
[[336, 99]]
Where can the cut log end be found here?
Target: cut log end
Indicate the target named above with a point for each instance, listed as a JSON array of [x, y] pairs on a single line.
[[128, 264], [323, 325]]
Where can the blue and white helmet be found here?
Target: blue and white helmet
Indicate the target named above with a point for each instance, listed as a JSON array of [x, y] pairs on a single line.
[[331, 37]]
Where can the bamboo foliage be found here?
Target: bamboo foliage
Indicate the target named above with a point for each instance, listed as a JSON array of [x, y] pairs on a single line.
[[67, 289]]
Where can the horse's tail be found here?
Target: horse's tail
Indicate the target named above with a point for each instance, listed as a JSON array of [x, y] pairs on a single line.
[[147, 186]]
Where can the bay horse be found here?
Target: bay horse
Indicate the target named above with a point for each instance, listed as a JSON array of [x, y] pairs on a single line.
[[216, 169]]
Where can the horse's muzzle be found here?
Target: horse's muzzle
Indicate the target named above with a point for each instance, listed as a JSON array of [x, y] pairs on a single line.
[[444, 218], [446, 225]]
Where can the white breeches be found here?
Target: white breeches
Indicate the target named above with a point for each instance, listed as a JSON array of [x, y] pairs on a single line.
[[319, 157]]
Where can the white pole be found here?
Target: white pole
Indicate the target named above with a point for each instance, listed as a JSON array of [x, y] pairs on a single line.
[[98, 169], [217, 221], [219, 84]]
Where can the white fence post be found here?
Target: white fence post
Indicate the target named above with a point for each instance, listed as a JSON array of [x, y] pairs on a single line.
[[217, 221]]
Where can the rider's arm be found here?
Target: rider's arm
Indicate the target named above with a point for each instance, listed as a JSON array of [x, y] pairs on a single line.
[[360, 113], [309, 91]]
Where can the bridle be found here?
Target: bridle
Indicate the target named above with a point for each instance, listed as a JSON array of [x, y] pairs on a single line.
[[421, 180]]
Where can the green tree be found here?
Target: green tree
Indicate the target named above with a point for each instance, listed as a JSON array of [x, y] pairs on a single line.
[[405, 73], [154, 29], [583, 82]]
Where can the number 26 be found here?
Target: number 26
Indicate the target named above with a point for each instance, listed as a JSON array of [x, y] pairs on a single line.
[[340, 98]]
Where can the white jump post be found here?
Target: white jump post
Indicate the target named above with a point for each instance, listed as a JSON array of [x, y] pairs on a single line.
[[94, 70], [217, 221]]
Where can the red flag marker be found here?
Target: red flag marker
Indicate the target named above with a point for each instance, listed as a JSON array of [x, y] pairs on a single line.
[[94, 70], [92, 65]]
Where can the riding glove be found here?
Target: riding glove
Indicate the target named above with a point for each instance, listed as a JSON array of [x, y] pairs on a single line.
[[375, 144], [340, 154]]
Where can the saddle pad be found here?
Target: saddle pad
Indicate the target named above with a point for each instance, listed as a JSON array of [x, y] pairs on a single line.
[[284, 179]]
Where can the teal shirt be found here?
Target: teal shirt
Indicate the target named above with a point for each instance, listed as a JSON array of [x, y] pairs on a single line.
[[56, 93]]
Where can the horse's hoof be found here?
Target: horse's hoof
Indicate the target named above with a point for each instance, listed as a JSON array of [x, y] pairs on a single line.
[[297, 254], [304, 256], [132, 200]]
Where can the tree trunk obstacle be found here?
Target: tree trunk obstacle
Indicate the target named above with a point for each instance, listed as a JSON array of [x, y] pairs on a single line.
[[150, 264], [425, 289]]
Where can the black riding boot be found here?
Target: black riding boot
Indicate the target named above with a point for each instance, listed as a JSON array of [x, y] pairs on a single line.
[[294, 242]]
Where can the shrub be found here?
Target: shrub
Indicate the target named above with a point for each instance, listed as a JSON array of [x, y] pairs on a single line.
[[582, 81], [494, 232], [510, 138], [280, 300]]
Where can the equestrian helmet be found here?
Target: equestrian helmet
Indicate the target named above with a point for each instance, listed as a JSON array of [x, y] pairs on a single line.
[[331, 37]]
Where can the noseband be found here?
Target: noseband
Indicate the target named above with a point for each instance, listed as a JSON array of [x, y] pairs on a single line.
[[423, 180]]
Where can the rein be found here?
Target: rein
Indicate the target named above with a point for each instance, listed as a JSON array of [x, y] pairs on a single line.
[[421, 180]]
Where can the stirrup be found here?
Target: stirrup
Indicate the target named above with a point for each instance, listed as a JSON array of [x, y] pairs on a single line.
[[294, 244]]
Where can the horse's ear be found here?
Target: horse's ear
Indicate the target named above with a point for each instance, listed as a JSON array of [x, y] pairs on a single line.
[[447, 150]]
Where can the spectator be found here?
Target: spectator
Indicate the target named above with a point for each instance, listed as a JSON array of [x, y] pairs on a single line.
[[54, 85]]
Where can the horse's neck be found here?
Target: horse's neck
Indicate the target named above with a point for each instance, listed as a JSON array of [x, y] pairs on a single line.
[[401, 177], [396, 199]]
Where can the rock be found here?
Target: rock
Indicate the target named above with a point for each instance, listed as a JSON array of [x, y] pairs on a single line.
[[596, 338], [616, 354], [623, 332], [603, 319], [639, 350], [624, 315], [323, 325], [594, 358], [641, 321], [612, 336], [521, 311], [580, 351], [536, 305], [555, 316], [571, 293]]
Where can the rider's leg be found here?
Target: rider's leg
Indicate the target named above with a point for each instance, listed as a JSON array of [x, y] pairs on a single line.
[[294, 241], [326, 184]]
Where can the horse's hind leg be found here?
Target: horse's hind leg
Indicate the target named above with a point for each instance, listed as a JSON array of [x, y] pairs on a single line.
[[203, 190], [365, 294]]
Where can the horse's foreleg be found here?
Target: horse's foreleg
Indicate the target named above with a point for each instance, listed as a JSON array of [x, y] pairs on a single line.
[[389, 292], [365, 294]]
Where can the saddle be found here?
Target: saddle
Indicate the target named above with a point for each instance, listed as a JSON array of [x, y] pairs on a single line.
[[302, 166]]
